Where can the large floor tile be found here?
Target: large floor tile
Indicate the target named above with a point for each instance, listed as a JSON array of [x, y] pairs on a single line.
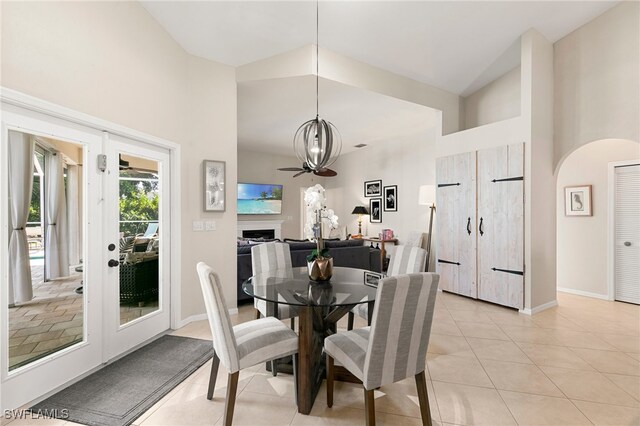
[[554, 356], [282, 385], [607, 415], [471, 405], [449, 345], [480, 330], [529, 335], [542, 410], [257, 408], [512, 318], [188, 406], [446, 327], [621, 342], [630, 384], [456, 369], [470, 316], [498, 350], [609, 362], [578, 339], [520, 378], [589, 386]]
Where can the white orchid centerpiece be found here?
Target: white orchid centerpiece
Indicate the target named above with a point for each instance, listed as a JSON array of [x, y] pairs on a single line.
[[315, 199]]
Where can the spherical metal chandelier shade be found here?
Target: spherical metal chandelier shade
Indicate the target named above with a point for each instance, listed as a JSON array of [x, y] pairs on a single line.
[[317, 143]]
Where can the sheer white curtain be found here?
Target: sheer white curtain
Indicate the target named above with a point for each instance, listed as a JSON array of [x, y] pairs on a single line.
[[20, 147], [56, 247]]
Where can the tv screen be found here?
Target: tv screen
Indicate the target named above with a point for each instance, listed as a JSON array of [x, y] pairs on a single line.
[[259, 198]]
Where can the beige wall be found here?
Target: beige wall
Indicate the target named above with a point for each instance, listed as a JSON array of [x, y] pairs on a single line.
[[582, 241], [260, 167], [407, 162], [113, 61], [597, 81], [498, 100]]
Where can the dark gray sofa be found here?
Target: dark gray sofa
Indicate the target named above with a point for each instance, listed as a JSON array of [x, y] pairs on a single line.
[[349, 253]]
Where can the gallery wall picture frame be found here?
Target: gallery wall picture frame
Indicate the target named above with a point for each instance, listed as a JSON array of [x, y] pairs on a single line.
[[390, 196], [577, 200], [214, 179], [373, 188], [375, 210]]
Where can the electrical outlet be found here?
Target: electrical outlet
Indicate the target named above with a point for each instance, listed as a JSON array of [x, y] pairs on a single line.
[[198, 225], [210, 225], [289, 217]]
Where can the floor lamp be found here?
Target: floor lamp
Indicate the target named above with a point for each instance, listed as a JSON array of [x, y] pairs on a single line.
[[427, 197]]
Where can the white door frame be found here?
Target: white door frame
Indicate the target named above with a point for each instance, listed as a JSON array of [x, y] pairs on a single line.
[[36, 105], [611, 273]]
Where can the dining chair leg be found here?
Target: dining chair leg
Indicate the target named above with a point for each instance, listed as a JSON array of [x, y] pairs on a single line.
[[295, 377], [215, 362], [369, 407], [230, 403], [350, 321], [257, 314], [329, 381], [293, 323], [423, 397], [274, 367]]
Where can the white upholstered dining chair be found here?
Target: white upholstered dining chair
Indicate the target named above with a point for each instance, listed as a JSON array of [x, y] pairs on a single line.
[[395, 346], [243, 345], [404, 260]]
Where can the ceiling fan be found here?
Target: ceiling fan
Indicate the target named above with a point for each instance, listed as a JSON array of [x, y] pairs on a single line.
[[306, 169]]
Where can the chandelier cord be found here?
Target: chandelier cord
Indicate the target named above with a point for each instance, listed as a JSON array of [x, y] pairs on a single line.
[[317, 56]]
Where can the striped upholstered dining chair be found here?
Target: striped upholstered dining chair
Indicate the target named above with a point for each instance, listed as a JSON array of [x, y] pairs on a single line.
[[244, 345], [404, 260], [269, 257], [395, 346]]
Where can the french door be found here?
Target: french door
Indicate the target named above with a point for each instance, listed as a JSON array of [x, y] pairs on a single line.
[[86, 219]]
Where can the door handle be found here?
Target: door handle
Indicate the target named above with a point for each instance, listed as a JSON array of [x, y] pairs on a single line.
[[113, 263], [627, 243], [480, 228], [469, 226]]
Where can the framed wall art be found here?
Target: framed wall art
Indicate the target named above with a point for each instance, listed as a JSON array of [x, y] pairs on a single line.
[[577, 200], [375, 210], [373, 188], [390, 195], [214, 182]]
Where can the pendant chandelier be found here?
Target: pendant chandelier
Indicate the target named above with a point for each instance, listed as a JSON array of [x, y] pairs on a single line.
[[317, 142]]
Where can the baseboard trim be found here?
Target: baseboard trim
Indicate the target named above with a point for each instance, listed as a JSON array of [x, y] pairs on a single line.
[[539, 308], [201, 317], [584, 293]]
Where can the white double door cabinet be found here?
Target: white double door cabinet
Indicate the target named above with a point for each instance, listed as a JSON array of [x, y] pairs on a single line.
[[480, 201]]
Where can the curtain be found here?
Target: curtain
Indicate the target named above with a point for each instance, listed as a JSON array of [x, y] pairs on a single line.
[[56, 246], [73, 219], [20, 150]]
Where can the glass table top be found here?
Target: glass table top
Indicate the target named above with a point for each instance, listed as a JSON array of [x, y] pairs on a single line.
[[348, 286]]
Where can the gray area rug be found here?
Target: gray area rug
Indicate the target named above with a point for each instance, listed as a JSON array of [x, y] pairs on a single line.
[[121, 392]]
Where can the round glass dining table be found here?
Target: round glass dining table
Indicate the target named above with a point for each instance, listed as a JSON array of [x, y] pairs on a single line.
[[319, 306]]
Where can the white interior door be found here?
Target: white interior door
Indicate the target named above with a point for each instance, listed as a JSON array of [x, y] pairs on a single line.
[[501, 225], [456, 222], [51, 334], [137, 244], [627, 233]]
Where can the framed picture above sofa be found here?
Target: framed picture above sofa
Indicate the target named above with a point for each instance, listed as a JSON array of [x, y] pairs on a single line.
[[375, 210], [373, 188]]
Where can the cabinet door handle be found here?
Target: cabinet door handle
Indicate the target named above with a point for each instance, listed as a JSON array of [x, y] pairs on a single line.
[[480, 228], [469, 226]]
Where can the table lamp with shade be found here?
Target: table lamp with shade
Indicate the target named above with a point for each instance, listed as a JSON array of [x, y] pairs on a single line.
[[359, 210], [427, 197]]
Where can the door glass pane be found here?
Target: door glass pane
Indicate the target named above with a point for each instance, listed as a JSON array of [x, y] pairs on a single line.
[[45, 247], [139, 237]]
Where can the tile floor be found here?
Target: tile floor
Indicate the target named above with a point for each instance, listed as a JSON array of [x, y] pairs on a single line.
[[576, 364]]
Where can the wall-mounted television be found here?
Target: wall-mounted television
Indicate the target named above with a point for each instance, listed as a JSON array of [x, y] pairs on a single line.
[[259, 198]]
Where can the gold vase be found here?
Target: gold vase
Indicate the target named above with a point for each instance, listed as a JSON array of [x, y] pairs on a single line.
[[320, 269]]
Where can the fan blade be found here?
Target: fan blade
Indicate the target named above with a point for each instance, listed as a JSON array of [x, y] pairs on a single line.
[[325, 173], [300, 173], [290, 169]]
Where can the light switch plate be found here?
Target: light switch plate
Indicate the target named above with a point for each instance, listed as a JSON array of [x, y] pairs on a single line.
[[210, 225], [198, 225]]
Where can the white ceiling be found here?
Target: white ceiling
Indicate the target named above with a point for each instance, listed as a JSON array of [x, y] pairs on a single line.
[[457, 46], [445, 44], [270, 111]]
